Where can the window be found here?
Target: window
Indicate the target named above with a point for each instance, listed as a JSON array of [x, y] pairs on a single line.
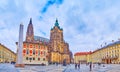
[[27, 52], [36, 52], [30, 51], [31, 45], [38, 59], [33, 58], [26, 58], [36, 46], [43, 59], [24, 51], [44, 53], [24, 46], [33, 52], [39, 52], [30, 59], [39, 46]]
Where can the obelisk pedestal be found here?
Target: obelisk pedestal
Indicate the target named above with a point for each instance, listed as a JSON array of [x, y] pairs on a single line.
[[19, 60]]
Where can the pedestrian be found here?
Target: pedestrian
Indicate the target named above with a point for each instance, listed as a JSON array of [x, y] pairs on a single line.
[[90, 66], [79, 65], [75, 65]]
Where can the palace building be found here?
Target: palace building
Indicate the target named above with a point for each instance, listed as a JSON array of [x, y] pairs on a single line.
[[109, 54], [40, 50], [6, 55], [82, 57]]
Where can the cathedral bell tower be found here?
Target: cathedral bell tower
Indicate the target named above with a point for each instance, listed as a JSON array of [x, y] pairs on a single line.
[[30, 32]]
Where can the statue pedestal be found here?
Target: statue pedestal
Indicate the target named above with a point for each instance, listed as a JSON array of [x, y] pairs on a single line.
[[20, 65]]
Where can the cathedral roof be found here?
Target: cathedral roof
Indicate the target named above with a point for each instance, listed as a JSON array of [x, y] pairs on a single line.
[[41, 39]]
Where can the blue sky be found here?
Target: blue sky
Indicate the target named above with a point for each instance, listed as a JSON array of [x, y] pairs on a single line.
[[86, 23]]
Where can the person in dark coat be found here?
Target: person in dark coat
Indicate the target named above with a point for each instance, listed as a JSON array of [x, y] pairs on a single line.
[[75, 65], [90, 66], [79, 65]]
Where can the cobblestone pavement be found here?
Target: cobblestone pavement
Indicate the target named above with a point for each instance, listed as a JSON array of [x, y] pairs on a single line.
[[8, 68], [95, 68], [49, 68], [60, 68]]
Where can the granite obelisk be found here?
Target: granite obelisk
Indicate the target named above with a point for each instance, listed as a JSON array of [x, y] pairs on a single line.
[[19, 60]]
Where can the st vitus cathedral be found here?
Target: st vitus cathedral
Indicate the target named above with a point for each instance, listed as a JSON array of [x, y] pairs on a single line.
[[58, 48], [40, 50]]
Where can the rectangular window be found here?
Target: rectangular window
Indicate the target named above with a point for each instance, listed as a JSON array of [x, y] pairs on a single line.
[[24, 46], [31, 46], [36, 46], [39, 46], [26, 58], [33, 52], [39, 52], [38, 59], [44, 53], [43, 59], [27, 52], [30, 58], [33, 58]]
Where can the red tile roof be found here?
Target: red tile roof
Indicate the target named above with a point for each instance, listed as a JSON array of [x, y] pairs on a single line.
[[82, 53]]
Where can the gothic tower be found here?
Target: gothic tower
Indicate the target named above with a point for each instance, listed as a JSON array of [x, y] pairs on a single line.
[[57, 44], [56, 36], [30, 32]]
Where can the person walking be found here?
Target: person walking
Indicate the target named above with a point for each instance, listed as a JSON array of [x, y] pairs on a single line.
[[75, 65], [78, 65], [90, 66]]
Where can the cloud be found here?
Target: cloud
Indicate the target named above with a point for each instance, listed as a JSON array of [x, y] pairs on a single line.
[[50, 3]]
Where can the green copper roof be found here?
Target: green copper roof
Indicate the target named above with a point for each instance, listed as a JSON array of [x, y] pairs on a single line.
[[56, 23]]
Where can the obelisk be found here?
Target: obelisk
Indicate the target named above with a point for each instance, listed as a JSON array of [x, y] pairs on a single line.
[[19, 60]]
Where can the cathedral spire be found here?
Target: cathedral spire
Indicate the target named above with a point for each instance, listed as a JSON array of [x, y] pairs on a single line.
[[30, 32], [30, 21], [56, 23]]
